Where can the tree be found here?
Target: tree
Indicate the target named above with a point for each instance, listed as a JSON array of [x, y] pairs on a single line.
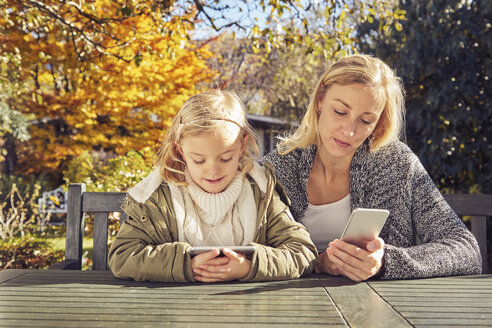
[[102, 74], [13, 124], [116, 98], [444, 55]]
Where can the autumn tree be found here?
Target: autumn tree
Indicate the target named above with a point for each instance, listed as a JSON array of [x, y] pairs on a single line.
[[101, 74], [116, 92]]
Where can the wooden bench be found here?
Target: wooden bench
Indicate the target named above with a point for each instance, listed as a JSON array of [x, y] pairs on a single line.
[[101, 204], [479, 207]]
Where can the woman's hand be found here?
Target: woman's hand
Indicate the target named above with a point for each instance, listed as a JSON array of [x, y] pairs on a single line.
[[230, 267], [355, 262], [324, 265]]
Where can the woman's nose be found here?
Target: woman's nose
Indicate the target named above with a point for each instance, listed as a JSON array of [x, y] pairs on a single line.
[[348, 129]]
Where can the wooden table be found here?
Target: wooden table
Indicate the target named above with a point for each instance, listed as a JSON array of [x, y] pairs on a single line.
[[38, 298]]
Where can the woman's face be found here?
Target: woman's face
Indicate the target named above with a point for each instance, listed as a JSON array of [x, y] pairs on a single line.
[[212, 159], [348, 115]]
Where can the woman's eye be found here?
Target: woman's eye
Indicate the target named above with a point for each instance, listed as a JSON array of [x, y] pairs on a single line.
[[339, 112], [199, 162], [366, 122], [225, 160]]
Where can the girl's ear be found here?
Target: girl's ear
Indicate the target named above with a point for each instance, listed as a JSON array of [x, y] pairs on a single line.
[[180, 150], [244, 144]]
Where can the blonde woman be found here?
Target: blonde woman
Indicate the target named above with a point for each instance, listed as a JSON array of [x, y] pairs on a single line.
[[346, 154], [207, 190]]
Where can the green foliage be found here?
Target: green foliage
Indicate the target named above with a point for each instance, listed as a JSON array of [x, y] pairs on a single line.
[[444, 55], [25, 184], [13, 124], [28, 254], [115, 174]]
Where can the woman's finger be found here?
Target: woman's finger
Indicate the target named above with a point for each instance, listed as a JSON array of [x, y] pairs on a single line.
[[346, 269]]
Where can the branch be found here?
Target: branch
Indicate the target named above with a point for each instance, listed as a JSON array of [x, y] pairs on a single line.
[[52, 12]]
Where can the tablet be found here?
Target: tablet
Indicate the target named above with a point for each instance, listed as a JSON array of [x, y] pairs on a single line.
[[246, 250], [364, 224]]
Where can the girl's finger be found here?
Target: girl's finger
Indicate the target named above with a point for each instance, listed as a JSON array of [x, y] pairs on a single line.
[[205, 279], [220, 260], [232, 255], [215, 268], [208, 274]]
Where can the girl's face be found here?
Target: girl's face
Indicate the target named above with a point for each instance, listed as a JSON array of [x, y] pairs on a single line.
[[212, 159], [348, 115]]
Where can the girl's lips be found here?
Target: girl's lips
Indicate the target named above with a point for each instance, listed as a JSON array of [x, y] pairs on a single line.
[[342, 144], [214, 181]]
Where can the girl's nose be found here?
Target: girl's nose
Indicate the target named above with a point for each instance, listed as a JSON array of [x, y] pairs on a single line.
[[214, 169]]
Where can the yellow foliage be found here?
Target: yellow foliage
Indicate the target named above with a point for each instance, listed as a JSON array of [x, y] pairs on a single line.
[[118, 101]]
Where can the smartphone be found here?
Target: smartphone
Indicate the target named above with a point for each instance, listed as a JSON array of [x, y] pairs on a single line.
[[364, 224], [246, 250]]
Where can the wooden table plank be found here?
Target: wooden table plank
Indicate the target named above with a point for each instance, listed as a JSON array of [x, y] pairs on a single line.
[[38, 298], [8, 275], [361, 306], [144, 324], [42, 298], [450, 301]]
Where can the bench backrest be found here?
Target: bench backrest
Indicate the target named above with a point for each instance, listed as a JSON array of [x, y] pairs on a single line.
[[99, 203], [479, 207], [103, 203]]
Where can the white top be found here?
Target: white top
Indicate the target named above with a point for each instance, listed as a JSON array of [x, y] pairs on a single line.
[[326, 222]]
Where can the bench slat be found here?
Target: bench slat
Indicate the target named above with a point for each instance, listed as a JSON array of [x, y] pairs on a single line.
[[102, 201], [75, 224], [470, 204], [100, 248]]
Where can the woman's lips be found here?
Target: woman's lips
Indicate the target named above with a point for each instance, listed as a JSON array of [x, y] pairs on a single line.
[[342, 144]]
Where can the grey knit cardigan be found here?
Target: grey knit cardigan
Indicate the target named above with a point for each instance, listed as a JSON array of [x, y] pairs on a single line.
[[423, 236]]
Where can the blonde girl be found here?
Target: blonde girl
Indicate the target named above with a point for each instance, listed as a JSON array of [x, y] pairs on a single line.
[[207, 190]]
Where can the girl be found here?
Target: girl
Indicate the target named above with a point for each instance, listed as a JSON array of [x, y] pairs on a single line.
[[207, 190]]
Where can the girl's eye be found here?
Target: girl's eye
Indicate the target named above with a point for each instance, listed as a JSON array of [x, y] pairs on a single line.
[[225, 160], [338, 112], [365, 122], [199, 162]]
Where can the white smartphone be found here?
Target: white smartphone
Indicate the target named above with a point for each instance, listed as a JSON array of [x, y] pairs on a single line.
[[364, 224], [246, 250]]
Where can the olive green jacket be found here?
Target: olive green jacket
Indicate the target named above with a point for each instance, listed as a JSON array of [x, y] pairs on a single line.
[[147, 247]]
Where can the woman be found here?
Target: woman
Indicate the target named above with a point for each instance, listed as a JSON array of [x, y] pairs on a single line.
[[346, 154]]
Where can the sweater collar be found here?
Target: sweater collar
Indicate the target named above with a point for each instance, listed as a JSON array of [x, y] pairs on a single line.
[[215, 205]]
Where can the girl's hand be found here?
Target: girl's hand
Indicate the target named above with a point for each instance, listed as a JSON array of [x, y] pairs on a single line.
[[354, 262], [211, 258], [237, 267]]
